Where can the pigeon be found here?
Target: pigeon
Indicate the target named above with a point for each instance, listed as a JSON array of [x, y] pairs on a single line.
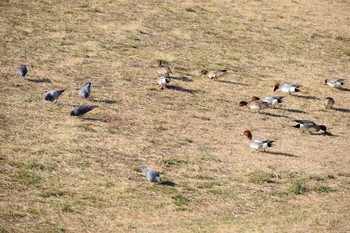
[[81, 110], [85, 91], [334, 82], [329, 102], [163, 81], [163, 70], [309, 126], [151, 175], [53, 95], [22, 71], [213, 74]]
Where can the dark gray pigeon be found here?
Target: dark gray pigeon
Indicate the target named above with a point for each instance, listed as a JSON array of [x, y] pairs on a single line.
[[81, 110], [53, 95], [151, 175], [22, 71], [85, 91]]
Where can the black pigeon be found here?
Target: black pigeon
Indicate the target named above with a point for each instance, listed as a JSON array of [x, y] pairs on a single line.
[[53, 95], [81, 110], [22, 71]]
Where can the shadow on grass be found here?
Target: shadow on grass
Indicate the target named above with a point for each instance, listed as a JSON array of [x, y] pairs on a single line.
[[273, 114], [292, 110], [342, 89], [104, 101], [184, 79], [342, 110], [94, 119], [43, 80], [230, 82], [281, 154], [308, 97], [168, 183], [178, 88]]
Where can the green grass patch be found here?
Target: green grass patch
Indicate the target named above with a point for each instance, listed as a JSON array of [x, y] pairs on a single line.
[[298, 188], [261, 177], [54, 193]]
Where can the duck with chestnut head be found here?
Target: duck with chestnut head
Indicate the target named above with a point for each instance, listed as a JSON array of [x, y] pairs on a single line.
[[257, 143]]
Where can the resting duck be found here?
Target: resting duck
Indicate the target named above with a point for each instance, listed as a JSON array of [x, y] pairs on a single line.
[[329, 102], [163, 81], [334, 82], [213, 74], [287, 88], [271, 100], [163, 70], [309, 126], [254, 104], [257, 143]]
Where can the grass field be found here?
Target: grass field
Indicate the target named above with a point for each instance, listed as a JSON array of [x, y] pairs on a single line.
[[68, 174]]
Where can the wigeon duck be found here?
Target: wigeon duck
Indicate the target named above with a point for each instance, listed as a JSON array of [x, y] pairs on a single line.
[[334, 82], [163, 70], [81, 110], [254, 104], [151, 175], [309, 126], [287, 88], [163, 81], [271, 100], [329, 102], [257, 143], [85, 91], [213, 74], [53, 95], [22, 71]]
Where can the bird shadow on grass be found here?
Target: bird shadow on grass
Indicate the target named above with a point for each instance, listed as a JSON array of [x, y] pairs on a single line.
[[292, 110], [281, 154], [342, 110], [168, 183], [342, 89], [308, 97], [178, 88], [107, 101], [184, 79], [273, 114], [94, 119], [230, 82], [42, 80]]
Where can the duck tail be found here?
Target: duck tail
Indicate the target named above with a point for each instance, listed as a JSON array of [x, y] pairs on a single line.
[[296, 126]]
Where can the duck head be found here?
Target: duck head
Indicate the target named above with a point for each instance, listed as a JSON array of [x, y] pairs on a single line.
[[248, 134], [276, 87], [255, 98]]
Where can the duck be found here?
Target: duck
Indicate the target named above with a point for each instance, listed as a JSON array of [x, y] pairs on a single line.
[[254, 104], [257, 143], [329, 102], [163, 70], [22, 71], [309, 126], [271, 100], [151, 175], [287, 88], [334, 82], [213, 74], [163, 81]]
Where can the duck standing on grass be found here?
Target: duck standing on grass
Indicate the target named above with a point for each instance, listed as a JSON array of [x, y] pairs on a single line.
[[213, 74], [287, 88], [254, 104], [163, 81], [271, 100], [334, 82], [309, 126], [163, 70], [329, 102], [257, 143]]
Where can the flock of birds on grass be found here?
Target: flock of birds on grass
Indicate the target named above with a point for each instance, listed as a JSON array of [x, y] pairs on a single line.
[[255, 103]]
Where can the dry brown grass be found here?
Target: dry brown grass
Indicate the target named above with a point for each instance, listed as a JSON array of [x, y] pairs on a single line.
[[65, 174]]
